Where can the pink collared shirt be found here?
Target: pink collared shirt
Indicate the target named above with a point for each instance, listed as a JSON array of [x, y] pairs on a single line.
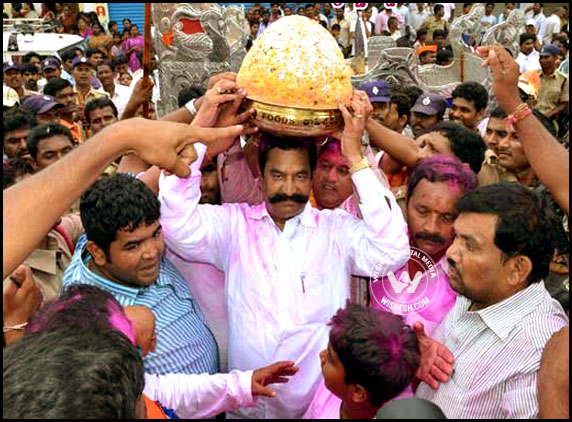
[[201, 396], [443, 298], [283, 286], [325, 404], [383, 17]]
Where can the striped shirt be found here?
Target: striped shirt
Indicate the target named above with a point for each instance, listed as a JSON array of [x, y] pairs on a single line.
[[185, 344], [497, 356]]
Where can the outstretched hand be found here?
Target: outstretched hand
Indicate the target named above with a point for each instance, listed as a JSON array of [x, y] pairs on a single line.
[[275, 373], [436, 360], [162, 143]]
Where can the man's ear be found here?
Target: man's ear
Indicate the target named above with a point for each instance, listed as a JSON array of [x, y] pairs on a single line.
[[359, 394], [518, 269], [34, 164], [403, 120], [98, 254], [481, 114]]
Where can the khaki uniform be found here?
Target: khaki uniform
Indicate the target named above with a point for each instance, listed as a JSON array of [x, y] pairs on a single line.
[[432, 24], [51, 259], [91, 95], [553, 91], [345, 37]]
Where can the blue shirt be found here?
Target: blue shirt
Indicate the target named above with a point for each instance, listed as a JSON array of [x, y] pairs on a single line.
[[185, 344]]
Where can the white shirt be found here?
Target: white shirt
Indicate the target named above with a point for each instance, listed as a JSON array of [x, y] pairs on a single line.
[[552, 26], [449, 9], [539, 23], [530, 62], [497, 354], [353, 25], [156, 88], [374, 13], [121, 97], [396, 35], [403, 11], [282, 287], [417, 19], [200, 396]]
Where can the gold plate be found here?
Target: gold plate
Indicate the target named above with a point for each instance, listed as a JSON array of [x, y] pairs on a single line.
[[294, 121]]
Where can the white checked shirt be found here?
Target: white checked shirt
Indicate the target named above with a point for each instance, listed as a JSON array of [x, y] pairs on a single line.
[[282, 287], [497, 356]]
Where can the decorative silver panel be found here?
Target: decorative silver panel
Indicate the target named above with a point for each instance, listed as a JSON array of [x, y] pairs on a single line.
[[194, 41], [400, 66]]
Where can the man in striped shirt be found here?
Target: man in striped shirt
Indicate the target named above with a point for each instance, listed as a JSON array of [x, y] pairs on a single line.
[[122, 253], [504, 316]]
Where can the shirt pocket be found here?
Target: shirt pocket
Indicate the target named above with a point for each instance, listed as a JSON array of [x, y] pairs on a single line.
[[314, 299]]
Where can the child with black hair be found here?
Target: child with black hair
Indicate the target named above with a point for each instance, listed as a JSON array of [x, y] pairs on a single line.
[[371, 358]]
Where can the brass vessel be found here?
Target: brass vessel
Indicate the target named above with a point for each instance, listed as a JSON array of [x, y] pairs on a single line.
[[294, 121]]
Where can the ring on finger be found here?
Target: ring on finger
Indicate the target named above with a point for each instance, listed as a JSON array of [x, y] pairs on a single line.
[[359, 116], [222, 91]]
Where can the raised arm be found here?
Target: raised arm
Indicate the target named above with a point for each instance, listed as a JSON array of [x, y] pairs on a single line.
[[547, 157], [26, 216], [379, 242], [401, 148], [201, 233]]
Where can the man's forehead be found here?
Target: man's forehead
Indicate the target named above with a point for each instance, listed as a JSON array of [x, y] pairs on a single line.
[[434, 138], [143, 230], [48, 143], [499, 125], [442, 196], [463, 102], [102, 112], [479, 226], [281, 157], [18, 133], [66, 90], [334, 157]]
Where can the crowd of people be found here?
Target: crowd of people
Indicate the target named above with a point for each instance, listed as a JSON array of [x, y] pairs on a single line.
[[194, 265]]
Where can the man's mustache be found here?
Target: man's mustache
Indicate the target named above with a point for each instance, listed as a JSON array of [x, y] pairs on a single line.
[[281, 197], [432, 237]]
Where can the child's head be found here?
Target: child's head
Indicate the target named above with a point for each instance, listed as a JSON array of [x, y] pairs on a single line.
[[125, 79], [371, 357], [336, 29], [143, 321]]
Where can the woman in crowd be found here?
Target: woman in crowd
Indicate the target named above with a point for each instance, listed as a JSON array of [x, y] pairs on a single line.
[[132, 47], [83, 28], [100, 40]]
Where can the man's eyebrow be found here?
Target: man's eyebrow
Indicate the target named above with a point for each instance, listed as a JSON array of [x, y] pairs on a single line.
[[468, 237]]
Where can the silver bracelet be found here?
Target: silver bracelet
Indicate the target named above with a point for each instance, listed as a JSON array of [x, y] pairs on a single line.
[[19, 327], [191, 107]]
